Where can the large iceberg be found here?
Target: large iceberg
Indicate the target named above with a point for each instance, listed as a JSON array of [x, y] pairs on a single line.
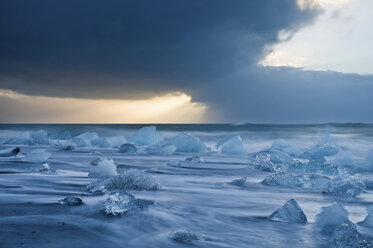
[[344, 186], [280, 145], [347, 236], [104, 168], [288, 180], [289, 212], [330, 218], [146, 136], [9, 152], [185, 142], [119, 203], [37, 156], [231, 145]]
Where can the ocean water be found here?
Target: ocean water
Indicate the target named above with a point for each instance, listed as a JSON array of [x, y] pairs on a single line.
[[196, 199]]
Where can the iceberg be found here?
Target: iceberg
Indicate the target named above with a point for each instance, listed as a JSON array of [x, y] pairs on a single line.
[[184, 237], [289, 212], [166, 149], [119, 203], [145, 136], [187, 143], [37, 156], [330, 218], [288, 180], [231, 145], [71, 201], [194, 159], [347, 236], [116, 141], [105, 168], [128, 148], [174, 163], [9, 152], [280, 145], [344, 186], [65, 145], [369, 219], [272, 161]]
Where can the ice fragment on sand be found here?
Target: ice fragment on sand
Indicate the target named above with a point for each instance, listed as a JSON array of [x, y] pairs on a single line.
[[145, 136], [347, 236], [288, 180], [104, 168], [187, 143], [37, 156], [330, 218], [289, 212], [119, 203], [344, 186], [9, 152], [128, 148], [71, 201], [231, 145]]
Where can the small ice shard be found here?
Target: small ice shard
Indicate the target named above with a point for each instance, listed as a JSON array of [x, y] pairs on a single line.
[[116, 141], [174, 163], [104, 168], [288, 180], [119, 203], [194, 159], [330, 218], [165, 149], [241, 182], [128, 148], [272, 161], [71, 201], [187, 143], [145, 136], [46, 169], [289, 212], [101, 143], [37, 156], [322, 150], [132, 179], [347, 236], [280, 145], [344, 186], [65, 145], [184, 237], [40, 137], [231, 145], [9, 152], [369, 219]]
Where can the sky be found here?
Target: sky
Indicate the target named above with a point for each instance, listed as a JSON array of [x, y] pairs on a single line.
[[179, 61]]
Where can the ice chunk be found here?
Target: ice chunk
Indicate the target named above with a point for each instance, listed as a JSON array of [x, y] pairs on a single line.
[[132, 179], [65, 145], [9, 152], [241, 182], [194, 159], [145, 136], [88, 136], [231, 145], [272, 161], [344, 186], [369, 219], [280, 145], [20, 139], [119, 203], [98, 160], [79, 142], [322, 150], [165, 149], [288, 180], [101, 143], [305, 165], [184, 237], [71, 201], [116, 141], [289, 212], [330, 218], [37, 156], [40, 137], [128, 148], [347, 236], [46, 169], [174, 163], [104, 168], [343, 158], [187, 143]]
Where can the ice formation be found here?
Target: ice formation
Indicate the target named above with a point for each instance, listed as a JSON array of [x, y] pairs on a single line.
[[119, 203], [305, 165], [347, 236], [369, 219], [344, 186], [105, 168], [116, 141], [194, 159], [9, 152], [101, 143], [164, 149], [289, 212], [343, 158], [330, 218], [127, 148], [272, 161], [185, 142], [288, 180], [322, 150], [132, 179], [146, 136], [37, 156], [71, 201], [65, 145], [280, 145], [46, 169], [40, 137], [184, 237], [20, 139], [174, 163], [85, 139], [241, 182], [98, 160], [231, 145]]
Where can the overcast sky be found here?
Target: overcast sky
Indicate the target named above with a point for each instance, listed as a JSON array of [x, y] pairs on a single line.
[[143, 61]]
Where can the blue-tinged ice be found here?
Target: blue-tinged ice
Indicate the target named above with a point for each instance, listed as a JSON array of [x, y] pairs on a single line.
[[330, 218], [311, 166], [101, 143], [46, 168], [85, 139], [289, 212], [347, 236], [61, 135], [65, 145], [280, 145], [105, 168], [146, 136], [71, 201], [369, 219], [127, 148], [185, 142], [272, 161], [9, 152], [288, 180], [37, 156], [160, 149], [185, 237], [119, 203], [194, 159], [116, 141], [323, 149], [176, 163], [344, 186], [231, 145], [40, 137], [241, 182]]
